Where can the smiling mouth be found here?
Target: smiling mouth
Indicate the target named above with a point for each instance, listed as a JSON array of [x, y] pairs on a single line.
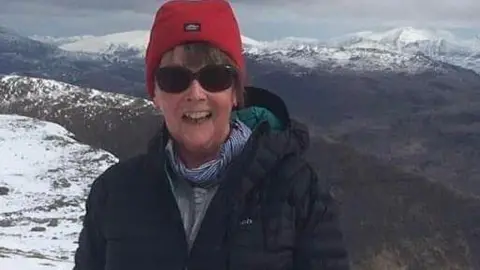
[[197, 117]]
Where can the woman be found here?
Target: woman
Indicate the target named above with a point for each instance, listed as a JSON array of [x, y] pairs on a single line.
[[224, 184]]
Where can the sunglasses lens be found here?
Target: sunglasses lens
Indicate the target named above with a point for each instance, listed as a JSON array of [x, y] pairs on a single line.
[[216, 78], [213, 78], [173, 79]]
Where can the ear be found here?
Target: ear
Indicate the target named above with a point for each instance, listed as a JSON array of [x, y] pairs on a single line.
[[157, 106], [234, 99], [157, 103]]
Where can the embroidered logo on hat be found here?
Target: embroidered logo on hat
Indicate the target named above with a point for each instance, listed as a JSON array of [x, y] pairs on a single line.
[[192, 27]]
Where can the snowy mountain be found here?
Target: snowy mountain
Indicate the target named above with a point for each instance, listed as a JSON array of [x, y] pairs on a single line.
[[437, 44], [134, 42], [44, 179], [402, 49], [410, 39]]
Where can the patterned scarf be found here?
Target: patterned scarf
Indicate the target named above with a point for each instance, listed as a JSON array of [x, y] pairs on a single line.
[[206, 174]]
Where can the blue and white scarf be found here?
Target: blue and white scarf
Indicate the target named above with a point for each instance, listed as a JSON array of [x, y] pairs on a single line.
[[207, 173]]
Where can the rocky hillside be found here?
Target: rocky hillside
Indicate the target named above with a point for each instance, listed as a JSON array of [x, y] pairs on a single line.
[[392, 219], [396, 220], [426, 123]]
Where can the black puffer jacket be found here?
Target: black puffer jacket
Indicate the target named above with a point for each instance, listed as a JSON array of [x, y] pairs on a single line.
[[270, 212]]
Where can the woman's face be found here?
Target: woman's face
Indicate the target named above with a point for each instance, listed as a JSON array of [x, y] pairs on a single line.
[[197, 119]]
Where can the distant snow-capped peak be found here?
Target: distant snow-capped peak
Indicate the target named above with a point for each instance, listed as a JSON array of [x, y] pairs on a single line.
[[394, 39], [390, 49], [409, 39], [111, 43], [407, 35], [137, 39], [440, 45]]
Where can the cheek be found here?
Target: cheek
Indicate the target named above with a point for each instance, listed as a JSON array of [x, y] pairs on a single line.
[[225, 101], [223, 105], [168, 104]]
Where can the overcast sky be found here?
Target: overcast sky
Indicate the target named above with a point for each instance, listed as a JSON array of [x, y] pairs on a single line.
[[259, 19]]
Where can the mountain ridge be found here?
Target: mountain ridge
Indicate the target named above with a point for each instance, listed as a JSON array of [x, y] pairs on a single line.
[[404, 42]]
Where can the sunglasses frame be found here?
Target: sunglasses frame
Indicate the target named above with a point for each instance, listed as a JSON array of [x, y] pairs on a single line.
[[196, 75]]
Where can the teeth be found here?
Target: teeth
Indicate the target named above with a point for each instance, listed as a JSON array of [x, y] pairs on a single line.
[[197, 115]]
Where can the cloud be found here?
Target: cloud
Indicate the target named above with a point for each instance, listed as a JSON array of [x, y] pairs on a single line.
[[452, 10], [388, 10], [58, 23], [74, 6], [310, 17], [74, 17]]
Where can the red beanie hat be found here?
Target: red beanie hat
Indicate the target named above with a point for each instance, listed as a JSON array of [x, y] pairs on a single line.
[[180, 21]]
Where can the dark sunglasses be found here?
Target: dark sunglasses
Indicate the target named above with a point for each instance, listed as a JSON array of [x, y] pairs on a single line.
[[213, 78]]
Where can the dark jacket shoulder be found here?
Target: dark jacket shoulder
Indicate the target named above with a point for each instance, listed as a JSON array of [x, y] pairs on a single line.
[[123, 173], [320, 241]]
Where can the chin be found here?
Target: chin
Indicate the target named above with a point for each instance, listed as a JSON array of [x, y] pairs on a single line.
[[198, 143], [203, 137]]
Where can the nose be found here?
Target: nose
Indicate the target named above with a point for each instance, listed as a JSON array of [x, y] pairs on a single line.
[[196, 91]]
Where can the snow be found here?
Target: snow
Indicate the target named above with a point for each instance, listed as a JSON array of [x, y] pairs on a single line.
[[15, 262], [47, 174]]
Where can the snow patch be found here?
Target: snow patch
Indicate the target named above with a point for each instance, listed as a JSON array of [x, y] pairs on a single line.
[[45, 175]]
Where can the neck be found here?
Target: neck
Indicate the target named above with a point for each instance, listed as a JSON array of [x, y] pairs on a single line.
[[194, 158]]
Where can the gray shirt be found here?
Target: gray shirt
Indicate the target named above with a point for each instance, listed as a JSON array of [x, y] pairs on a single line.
[[192, 202]]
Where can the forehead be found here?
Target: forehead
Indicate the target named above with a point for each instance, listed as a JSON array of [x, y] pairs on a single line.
[[177, 56]]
